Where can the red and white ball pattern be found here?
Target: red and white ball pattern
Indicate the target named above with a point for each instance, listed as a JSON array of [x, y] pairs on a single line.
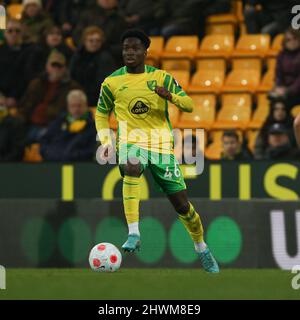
[[105, 257]]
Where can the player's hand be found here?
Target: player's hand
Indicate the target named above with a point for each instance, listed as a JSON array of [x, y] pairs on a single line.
[[163, 93], [106, 153]]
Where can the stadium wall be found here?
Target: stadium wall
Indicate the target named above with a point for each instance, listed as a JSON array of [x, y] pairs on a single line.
[[241, 234], [220, 180]]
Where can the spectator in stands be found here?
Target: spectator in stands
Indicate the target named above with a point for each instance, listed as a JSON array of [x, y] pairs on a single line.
[[53, 8], [105, 15], [70, 12], [279, 144], [268, 17], [279, 113], [92, 63], [34, 20], [232, 147], [287, 81], [297, 129], [11, 135], [72, 137], [178, 18], [32, 63], [46, 96], [10, 51], [138, 14]]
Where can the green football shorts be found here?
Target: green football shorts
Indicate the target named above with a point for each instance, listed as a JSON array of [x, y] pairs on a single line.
[[164, 168]]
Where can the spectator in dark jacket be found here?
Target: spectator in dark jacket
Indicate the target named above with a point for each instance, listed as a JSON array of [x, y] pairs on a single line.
[[72, 137], [287, 82], [269, 17], [70, 12], [34, 21], [279, 144], [10, 52], [105, 15], [92, 64], [32, 62], [138, 14], [11, 135], [279, 113], [46, 95], [232, 147]]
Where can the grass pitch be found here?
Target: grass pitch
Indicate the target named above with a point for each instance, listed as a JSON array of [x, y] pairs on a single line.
[[148, 284]]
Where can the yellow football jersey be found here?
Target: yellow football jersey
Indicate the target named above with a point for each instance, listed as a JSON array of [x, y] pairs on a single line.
[[142, 115]]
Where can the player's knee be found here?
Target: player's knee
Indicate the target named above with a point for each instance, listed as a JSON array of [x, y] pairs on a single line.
[[132, 169]]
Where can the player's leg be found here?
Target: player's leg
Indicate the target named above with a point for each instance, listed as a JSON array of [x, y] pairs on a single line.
[[192, 222], [131, 200], [132, 162]]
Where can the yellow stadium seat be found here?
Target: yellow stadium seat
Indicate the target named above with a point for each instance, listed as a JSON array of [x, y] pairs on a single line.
[[261, 112], [240, 80], [207, 81], [220, 28], [203, 114], [235, 111], [70, 43], [182, 77], [216, 45], [222, 18], [243, 28], [211, 64], [276, 46], [176, 64], [251, 136], [238, 10], [267, 81], [247, 64], [155, 50], [15, 11], [181, 47], [295, 111], [250, 45], [32, 153]]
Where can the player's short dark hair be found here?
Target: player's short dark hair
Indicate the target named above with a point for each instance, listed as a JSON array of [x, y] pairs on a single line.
[[231, 134], [137, 33]]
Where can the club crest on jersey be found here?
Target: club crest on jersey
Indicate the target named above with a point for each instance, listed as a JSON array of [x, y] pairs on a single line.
[[152, 84]]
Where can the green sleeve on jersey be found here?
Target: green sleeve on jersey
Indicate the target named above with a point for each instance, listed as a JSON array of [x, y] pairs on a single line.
[[106, 99], [173, 86]]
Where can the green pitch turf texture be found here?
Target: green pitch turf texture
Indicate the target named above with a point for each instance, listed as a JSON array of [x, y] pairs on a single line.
[[148, 284]]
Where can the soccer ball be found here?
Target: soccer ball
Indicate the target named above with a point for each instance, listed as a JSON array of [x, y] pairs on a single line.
[[105, 257]]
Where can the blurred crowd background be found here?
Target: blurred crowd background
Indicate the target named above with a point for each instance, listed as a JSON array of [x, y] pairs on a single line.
[[54, 56]]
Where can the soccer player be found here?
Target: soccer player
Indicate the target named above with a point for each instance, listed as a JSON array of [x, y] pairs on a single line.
[[139, 95]]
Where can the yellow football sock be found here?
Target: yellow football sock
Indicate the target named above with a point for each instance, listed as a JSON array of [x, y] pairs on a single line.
[[131, 198], [192, 223]]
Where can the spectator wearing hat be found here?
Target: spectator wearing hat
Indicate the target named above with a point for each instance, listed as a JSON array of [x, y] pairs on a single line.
[[71, 137], [46, 95], [34, 20], [279, 144], [10, 51], [279, 113], [32, 62], [92, 63], [11, 134]]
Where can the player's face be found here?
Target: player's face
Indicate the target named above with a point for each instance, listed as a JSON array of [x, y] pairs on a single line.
[[134, 52]]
